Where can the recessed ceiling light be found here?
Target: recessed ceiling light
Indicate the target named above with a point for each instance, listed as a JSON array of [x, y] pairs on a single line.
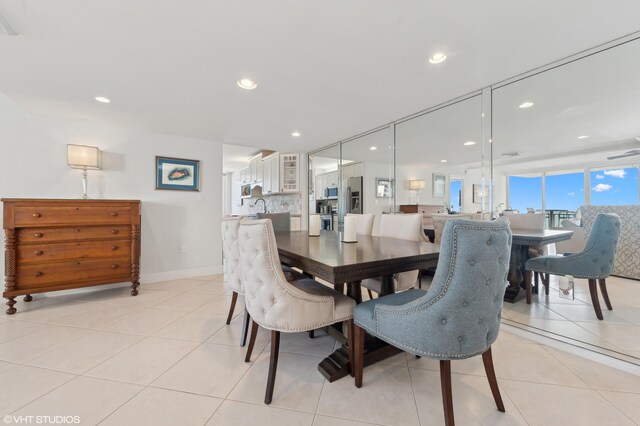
[[247, 83], [469, 143], [373, 148], [525, 105], [437, 58], [102, 99], [443, 161], [583, 137], [295, 134]]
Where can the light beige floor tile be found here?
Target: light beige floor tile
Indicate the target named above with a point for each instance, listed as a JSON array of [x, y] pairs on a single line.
[[23, 384], [211, 287], [627, 403], [143, 362], [82, 354], [520, 311], [471, 365], [144, 322], [209, 370], [4, 366], [542, 404], [39, 342], [532, 363], [627, 313], [164, 407], [386, 397], [300, 343], [48, 310], [233, 413], [100, 316], [569, 329], [145, 299], [176, 286], [195, 326], [585, 313], [298, 382], [100, 295], [185, 302], [623, 336], [220, 304], [473, 402], [597, 375], [91, 400], [230, 335], [211, 277], [334, 421], [12, 328]]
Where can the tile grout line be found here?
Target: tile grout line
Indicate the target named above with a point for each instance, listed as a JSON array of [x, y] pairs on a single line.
[[413, 390], [613, 405]]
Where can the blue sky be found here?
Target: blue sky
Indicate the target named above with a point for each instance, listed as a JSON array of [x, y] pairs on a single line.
[[566, 192]]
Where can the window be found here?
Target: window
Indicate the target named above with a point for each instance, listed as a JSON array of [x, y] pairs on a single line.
[[525, 192], [615, 186], [564, 191]]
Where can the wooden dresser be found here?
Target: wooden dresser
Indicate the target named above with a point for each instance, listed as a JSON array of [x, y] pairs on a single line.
[[64, 244]]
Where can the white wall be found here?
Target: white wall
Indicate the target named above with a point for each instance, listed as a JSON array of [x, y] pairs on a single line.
[[34, 165]]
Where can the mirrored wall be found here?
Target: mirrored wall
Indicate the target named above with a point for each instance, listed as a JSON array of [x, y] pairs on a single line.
[[547, 142]]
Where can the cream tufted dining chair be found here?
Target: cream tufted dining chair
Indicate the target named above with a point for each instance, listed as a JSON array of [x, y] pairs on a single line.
[[403, 227], [364, 222], [458, 317], [439, 219], [230, 227], [280, 306]]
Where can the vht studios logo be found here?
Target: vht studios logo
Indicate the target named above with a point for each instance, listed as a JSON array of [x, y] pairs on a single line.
[[43, 420]]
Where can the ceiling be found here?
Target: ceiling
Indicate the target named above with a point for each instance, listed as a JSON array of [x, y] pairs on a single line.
[[327, 69]]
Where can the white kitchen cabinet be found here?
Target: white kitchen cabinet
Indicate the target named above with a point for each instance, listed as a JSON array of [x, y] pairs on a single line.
[[255, 168], [320, 186], [270, 174], [352, 170], [245, 175]]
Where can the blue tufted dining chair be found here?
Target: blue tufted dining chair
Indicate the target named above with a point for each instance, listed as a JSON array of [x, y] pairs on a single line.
[[280, 306], [458, 317], [593, 263]]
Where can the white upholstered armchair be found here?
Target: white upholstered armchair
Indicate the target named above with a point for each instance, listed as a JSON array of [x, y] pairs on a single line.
[[277, 305]]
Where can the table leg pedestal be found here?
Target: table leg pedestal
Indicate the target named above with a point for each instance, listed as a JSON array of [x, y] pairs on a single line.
[[515, 290]]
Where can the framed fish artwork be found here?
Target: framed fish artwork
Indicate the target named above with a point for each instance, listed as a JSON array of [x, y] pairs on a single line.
[[177, 173]]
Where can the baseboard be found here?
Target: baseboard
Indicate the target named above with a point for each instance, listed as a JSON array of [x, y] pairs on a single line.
[[181, 273]]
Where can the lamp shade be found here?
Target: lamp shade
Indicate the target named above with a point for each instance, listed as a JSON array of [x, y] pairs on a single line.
[[84, 157], [416, 184]]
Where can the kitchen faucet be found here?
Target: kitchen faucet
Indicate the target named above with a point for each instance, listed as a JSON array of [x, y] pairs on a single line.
[[264, 203]]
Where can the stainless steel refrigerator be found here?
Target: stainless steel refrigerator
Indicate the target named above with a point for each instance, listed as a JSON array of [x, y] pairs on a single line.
[[353, 195]]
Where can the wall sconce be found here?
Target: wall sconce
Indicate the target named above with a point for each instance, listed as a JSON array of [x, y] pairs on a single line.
[[417, 185], [84, 157]]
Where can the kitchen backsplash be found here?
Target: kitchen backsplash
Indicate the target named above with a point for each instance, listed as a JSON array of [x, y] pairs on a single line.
[[276, 203]]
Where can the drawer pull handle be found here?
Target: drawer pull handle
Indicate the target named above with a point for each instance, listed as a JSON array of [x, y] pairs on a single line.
[[114, 247], [114, 214], [114, 266], [39, 253], [114, 232], [38, 235], [38, 274], [36, 215]]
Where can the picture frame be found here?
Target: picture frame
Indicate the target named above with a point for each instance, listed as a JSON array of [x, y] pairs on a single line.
[[478, 193], [439, 185], [385, 187], [177, 174]]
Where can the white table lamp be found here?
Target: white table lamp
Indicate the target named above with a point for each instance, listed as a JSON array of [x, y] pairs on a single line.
[[417, 185], [85, 158]]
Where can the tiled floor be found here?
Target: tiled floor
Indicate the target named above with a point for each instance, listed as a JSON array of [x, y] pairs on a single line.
[[166, 357], [576, 319]]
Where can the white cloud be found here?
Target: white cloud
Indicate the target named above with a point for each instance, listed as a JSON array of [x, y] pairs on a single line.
[[601, 187], [571, 194], [619, 173], [599, 177]]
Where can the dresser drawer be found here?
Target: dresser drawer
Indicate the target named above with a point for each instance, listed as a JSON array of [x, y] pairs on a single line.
[[63, 251], [44, 235], [90, 215], [38, 275]]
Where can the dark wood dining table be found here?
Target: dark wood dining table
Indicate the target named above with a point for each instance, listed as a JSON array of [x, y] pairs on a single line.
[[522, 240], [341, 264]]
